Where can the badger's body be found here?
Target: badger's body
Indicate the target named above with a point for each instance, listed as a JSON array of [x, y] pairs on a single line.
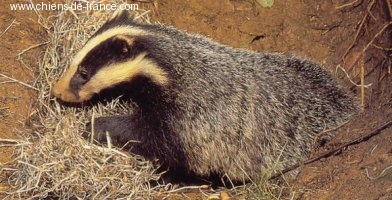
[[205, 106]]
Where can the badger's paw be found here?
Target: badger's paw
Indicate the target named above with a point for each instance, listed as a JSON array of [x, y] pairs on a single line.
[[107, 128]]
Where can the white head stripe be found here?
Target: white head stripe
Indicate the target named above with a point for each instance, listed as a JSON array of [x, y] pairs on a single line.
[[95, 41]]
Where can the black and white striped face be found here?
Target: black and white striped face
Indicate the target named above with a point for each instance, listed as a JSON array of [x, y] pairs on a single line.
[[112, 56]]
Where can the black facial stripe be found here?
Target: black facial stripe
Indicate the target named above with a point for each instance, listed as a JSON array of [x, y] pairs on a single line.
[[112, 50], [109, 52], [76, 83], [106, 53]]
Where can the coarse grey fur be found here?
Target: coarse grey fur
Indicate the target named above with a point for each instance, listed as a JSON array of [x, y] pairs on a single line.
[[228, 111]]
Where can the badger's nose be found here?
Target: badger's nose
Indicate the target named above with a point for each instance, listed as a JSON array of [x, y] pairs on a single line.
[[64, 94], [56, 92]]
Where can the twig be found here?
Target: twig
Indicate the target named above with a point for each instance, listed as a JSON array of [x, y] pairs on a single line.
[[18, 57], [28, 49], [363, 86], [106, 150], [92, 128], [74, 14], [359, 30], [389, 7], [347, 4], [329, 153], [108, 140], [379, 176], [8, 27], [349, 78], [28, 164], [369, 9], [189, 188], [329, 130], [4, 82], [20, 82], [382, 48], [373, 149], [377, 35], [10, 141], [371, 42]]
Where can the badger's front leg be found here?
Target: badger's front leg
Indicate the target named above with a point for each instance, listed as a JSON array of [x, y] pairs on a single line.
[[142, 134], [122, 129]]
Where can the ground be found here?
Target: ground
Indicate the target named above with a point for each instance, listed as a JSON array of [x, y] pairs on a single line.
[[19, 31], [340, 34]]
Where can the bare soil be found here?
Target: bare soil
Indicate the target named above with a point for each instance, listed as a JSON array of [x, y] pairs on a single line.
[[337, 33], [19, 31]]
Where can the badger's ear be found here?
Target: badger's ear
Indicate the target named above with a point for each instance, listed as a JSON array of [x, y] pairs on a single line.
[[123, 15], [123, 42], [119, 14]]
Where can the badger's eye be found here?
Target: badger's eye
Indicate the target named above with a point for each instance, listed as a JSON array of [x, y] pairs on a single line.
[[83, 73]]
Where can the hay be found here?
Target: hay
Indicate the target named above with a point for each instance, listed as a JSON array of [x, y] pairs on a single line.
[[55, 161]]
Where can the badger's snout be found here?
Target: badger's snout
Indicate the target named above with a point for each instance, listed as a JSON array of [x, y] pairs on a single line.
[[62, 92]]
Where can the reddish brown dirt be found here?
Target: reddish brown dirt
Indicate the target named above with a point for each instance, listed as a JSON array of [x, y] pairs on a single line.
[[314, 29], [16, 99], [320, 31]]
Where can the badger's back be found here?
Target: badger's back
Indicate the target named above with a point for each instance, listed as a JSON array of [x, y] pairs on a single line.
[[242, 111]]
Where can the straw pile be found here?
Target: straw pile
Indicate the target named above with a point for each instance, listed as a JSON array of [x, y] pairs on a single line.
[[55, 161]]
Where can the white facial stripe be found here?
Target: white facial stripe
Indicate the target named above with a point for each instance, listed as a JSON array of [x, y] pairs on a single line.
[[61, 88], [125, 30], [120, 72], [116, 13]]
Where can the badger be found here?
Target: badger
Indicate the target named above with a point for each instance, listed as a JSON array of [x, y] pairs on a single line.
[[204, 106]]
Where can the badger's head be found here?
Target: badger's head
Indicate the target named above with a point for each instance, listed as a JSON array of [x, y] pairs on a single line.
[[113, 55]]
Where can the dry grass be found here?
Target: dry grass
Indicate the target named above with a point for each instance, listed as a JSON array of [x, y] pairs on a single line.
[[55, 161]]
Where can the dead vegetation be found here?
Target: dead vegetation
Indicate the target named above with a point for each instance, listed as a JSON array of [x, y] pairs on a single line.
[[55, 161]]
